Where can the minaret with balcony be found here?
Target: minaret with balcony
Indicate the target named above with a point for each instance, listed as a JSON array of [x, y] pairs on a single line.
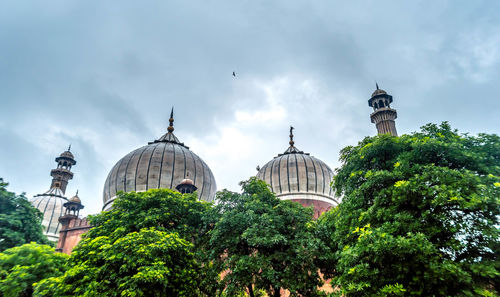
[[383, 116], [62, 174]]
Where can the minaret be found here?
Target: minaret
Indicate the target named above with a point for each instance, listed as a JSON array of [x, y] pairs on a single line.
[[62, 174], [383, 115], [51, 202]]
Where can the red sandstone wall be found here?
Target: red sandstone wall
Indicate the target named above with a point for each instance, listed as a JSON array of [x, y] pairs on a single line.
[[70, 235], [73, 237], [319, 206]]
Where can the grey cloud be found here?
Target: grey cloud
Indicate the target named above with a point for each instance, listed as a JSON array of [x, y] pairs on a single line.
[[113, 70]]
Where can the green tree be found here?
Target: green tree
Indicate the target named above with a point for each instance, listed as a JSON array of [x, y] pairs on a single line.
[[419, 216], [22, 266], [144, 263], [20, 222], [263, 243], [149, 244], [163, 209]]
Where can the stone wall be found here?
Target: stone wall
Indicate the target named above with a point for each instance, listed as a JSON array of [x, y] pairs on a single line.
[[71, 233], [319, 206]]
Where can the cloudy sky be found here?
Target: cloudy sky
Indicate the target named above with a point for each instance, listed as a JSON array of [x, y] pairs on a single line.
[[103, 75]]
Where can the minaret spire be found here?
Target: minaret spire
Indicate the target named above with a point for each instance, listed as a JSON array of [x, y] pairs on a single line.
[[291, 136], [383, 115]]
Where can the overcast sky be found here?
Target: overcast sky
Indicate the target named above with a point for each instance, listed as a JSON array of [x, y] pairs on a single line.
[[103, 75]]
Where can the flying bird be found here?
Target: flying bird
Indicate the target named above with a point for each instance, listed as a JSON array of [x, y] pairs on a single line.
[[234, 74]]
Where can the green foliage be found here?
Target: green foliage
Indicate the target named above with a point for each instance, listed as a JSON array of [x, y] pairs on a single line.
[[164, 209], [144, 263], [263, 243], [149, 244], [20, 222], [419, 216], [22, 266]]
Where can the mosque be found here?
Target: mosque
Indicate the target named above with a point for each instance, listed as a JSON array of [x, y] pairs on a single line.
[[166, 163]]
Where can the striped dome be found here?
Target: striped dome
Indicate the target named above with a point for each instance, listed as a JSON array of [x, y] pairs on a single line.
[[299, 176], [162, 164], [50, 204]]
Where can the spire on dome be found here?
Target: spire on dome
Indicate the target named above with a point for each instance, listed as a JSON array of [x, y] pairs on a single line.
[[171, 121], [69, 148], [169, 136], [376, 84], [292, 149]]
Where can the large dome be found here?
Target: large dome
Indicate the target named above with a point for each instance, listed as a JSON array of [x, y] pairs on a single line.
[[50, 204], [295, 175], [161, 164]]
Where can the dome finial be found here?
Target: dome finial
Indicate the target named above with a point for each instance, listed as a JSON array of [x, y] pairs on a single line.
[[291, 136], [169, 136], [171, 121], [69, 148], [376, 84], [292, 149]]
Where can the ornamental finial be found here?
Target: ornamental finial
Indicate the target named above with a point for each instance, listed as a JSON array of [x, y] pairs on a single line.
[[292, 149], [171, 121], [69, 147], [376, 84]]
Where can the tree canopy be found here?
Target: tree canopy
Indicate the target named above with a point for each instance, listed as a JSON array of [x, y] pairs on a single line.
[[263, 243], [22, 266], [419, 216], [143, 246], [162, 209], [20, 222], [144, 263]]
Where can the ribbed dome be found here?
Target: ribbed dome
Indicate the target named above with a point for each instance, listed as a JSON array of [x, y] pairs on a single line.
[[50, 204], [162, 164], [299, 176]]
